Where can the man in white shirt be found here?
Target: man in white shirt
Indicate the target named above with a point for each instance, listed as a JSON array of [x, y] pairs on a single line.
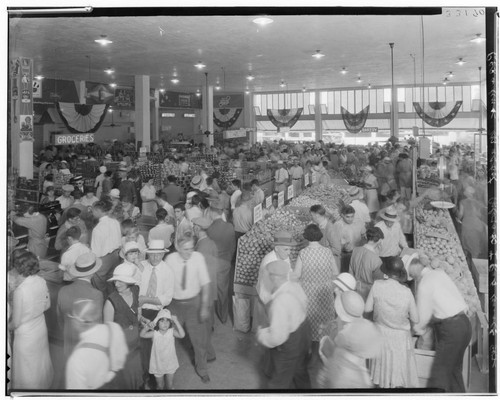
[[236, 187], [66, 200], [280, 178], [156, 288], [105, 243], [394, 239], [288, 335], [296, 173], [163, 230], [362, 213], [74, 250], [440, 303], [191, 299]]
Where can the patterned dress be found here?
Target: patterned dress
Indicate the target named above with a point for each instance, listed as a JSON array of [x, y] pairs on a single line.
[[318, 272], [392, 305]]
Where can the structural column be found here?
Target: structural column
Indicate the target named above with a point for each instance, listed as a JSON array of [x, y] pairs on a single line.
[[155, 117], [250, 118], [318, 118], [207, 115], [142, 111]]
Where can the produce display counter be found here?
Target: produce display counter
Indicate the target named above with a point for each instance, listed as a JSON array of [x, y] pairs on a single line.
[[436, 238], [293, 218]]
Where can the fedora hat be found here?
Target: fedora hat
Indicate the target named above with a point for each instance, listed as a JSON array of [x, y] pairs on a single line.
[[196, 181], [345, 281], [394, 268], [125, 273], [115, 193], [283, 238], [202, 222], [86, 264], [355, 193], [390, 214], [77, 178], [349, 306], [156, 246]]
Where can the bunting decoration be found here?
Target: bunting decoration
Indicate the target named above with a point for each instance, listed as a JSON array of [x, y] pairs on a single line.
[[437, 113], [355, 122], [226, 117], [285, 117], [82, 118]]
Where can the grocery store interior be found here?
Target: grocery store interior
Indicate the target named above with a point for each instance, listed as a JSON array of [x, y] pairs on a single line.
[[106, 104]]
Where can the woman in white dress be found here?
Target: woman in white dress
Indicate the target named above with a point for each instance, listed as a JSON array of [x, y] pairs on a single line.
[[31, 363]]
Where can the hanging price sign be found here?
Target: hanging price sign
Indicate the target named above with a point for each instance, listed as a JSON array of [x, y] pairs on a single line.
[[290, 193], [281, 198]]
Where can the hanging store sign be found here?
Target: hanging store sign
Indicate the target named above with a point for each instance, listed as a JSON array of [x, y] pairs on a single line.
[[233, 134], [306, 179], [37, 89], [168, 115], [124, 97], [74, 138], [179, 100], [189, 115], [257, 213], [369, 129]]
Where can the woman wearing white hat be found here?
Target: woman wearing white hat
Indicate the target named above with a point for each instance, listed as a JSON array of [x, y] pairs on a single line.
[[121, 307]]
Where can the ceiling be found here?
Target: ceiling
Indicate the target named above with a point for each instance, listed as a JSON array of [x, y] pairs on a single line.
[[232, 46]]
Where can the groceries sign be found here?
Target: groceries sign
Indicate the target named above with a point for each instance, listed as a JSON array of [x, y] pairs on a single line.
[[74, 138]]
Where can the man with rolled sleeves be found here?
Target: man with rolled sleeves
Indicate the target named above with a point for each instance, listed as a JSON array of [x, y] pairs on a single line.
[[288, 335], [191, 299]]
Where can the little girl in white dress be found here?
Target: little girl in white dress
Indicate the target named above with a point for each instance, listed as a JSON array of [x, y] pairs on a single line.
[[163, 362]]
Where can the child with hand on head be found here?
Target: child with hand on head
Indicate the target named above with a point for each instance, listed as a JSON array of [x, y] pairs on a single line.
[[163, 362]]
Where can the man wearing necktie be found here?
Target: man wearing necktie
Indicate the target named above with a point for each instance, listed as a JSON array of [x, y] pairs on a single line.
[[192, 299], [156, 288]]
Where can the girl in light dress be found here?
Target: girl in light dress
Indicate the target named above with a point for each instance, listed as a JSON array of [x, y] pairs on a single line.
[[163, 362]]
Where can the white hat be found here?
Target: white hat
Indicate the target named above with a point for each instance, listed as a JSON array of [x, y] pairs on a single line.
[[156, 246], [68, 188], [114, 193], [349, 306], [86, 264], [407, 259], [129, 246], [390, 214], [108, 156], [345, 281], [164, 313], [126, 273]]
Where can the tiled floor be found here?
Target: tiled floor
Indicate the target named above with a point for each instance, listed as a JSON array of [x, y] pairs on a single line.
[[238, 364]]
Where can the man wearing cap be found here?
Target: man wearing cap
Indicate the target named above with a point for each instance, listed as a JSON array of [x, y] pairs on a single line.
[[101, 351], [208, 248], [85, 267], [105, 243], [66, 200], [156, 289], [362, 213], [72, 219], [280, 177], [288, 335], [197, 183], [99, 180], [394, 239], [174, 192], [283, 242], [191, 299], [440, 304], [224, 236], [296, 173]]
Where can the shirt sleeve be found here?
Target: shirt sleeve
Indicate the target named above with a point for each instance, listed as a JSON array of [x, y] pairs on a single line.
[[276, 334], [95, 244], [23, 221], [424, 305]]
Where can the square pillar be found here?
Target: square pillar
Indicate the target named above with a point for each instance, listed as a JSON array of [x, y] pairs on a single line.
[[142, 112], [318, 118], [207, 115]]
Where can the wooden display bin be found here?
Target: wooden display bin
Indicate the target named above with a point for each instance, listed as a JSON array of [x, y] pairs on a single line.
[[425, 358]]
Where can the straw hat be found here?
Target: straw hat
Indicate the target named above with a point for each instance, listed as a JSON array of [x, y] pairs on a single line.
[[130, 246], [156, 246], [125, 273], [390, 214], [349, 306], [115, 193], [407, 259], [202, 222], [284, 238], [86, 264], [345, 281], [196, 181], [108, 157]]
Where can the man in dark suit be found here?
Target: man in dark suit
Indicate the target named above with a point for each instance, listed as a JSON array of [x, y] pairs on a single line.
[[85, 267], [174, 193]]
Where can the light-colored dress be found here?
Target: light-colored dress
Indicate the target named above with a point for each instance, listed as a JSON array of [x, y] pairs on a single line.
[[163, 356], [31, 363], [318, 272], [392, 305], [149, 207], [371, 194]]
